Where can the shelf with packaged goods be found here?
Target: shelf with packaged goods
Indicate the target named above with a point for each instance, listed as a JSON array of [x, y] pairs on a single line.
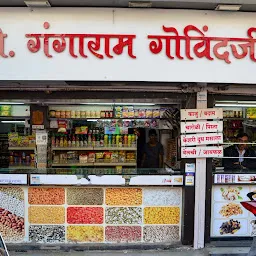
[[13, 118], [110, 118], [96, 149], [71, 164], [93, 164], [22, 167], [238, 118], [71, 149], [21, 148], [115, 164]]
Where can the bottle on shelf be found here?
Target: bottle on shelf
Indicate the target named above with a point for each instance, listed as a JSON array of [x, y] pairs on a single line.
[[73, 141], [53, 141], [120, 144], [129, 140], [105, 140], [81, 141], [77, 141], [113, 140], [94, 139], [61, 142], [69, 141], [85, 141], [133, 140], [117, 139], [101, 140], [89, 138], [97, 140], [65, 142], [109, 140], [57, 142], [125, 140]]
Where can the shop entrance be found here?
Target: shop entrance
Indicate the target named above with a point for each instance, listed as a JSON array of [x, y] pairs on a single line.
[[97, 146]]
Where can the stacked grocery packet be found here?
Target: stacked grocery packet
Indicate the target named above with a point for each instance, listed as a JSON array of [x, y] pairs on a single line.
[[5, 110], [12, 214]]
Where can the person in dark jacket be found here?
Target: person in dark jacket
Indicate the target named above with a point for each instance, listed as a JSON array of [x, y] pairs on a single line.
[[239, 152]]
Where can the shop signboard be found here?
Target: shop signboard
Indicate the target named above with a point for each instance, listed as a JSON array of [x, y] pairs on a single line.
[[14, 179], [201, 126], [201, 139], [107, 41], [201, 114], [161, 180], [202, 152]]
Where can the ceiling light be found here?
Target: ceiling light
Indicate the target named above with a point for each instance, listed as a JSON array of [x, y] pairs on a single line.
[[13, 122], [92, 120], [140, 4], [235, 105], [97, 103], [37, 3], [228, 7], [11, 103]]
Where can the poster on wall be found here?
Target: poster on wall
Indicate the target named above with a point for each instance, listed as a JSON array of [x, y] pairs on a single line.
[[229, 217]]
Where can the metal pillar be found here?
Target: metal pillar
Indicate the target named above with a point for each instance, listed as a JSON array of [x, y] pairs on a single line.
[[200, 186]]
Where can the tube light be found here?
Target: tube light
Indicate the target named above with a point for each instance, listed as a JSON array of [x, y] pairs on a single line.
[[13, 122], [92, 120], [140, 4], [228, 7], [37, 3], [235, 105], [11, 103]]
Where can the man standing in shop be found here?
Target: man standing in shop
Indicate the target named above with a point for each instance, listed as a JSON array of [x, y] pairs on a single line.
[[240, 154], [153, 153]]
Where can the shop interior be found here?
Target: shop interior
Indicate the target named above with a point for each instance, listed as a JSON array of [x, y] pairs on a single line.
[[100, 137], [238, 117]]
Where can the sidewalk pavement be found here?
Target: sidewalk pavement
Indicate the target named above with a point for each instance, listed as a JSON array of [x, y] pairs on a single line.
[[183, 251]]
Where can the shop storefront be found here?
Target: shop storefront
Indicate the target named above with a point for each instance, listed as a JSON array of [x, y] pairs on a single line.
[[74, 165]]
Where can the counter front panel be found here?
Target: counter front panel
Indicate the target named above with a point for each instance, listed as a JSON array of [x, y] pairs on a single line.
[[90, 214]]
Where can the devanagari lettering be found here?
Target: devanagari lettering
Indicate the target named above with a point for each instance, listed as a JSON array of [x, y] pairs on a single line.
[[204, 46], [2, 38], [94, 43]]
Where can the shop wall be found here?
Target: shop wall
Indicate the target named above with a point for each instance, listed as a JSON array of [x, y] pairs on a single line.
[[90, 215], [192, 63]]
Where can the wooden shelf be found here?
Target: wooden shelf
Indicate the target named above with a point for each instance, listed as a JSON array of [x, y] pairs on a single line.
[[113, 118], [72, 164], [14, 117], [67, 149], [22, 148], [115, 164], [27, 167], [96, 149], [94, 164]]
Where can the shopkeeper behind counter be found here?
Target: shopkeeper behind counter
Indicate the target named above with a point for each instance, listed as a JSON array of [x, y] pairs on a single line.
[[153, 153], [240, 152]]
